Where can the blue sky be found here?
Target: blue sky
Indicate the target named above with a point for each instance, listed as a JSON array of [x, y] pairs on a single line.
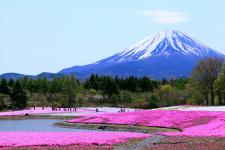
[[49, 35]]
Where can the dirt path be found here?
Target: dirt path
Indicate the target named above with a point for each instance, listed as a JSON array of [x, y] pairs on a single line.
[[132, 144], [115, 127], [140, 145]]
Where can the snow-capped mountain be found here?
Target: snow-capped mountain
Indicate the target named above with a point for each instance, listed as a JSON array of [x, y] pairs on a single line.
[[164, 43], [168, 54]]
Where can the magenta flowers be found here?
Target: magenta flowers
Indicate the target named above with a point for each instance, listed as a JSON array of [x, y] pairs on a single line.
[[192, 123], [17, 139]]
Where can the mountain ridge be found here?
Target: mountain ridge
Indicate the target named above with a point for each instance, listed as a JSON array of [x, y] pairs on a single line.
[[156, 48], [160, 55]]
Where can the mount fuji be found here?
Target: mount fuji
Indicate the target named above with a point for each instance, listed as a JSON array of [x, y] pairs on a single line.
[[167, 54]]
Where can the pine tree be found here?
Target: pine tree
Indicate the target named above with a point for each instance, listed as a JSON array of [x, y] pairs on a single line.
[[70, 86], [110, 87], [145, 84], [4, 88], [19, 96]]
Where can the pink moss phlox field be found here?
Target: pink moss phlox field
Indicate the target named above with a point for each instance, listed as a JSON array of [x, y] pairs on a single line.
[[38, 110], [192, 123], [17, 139]]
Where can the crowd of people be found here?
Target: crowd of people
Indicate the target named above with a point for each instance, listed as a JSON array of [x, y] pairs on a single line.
[[54, 108]]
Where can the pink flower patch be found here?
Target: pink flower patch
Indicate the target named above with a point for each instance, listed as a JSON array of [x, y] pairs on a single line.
[[17, 139], [192, 123]]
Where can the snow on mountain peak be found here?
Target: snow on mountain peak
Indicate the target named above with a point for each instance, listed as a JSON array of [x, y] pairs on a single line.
[[166, 54], [149, 44], [164, 43]]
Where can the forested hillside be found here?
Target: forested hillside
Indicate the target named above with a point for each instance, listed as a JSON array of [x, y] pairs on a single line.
[[206, 86]]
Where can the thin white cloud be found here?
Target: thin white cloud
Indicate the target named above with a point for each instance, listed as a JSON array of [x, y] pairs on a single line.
[[166, 17]]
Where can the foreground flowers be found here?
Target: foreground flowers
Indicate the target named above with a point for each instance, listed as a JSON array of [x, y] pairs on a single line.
[[192, 123], [18, 139]]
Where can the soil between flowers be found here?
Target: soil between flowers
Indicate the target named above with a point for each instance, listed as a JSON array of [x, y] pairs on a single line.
[[115, 127]]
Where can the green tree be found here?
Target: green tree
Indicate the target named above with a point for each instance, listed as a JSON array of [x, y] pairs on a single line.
[[205, 74], [114, 100], [181, 83], [220, 85], [153, 101], [4, 88], [92, 91], [145, 84], [19, 96], [56, 85], [93, 82], [44, 85], [166, 90], [69, 87], [132, 83], [5, 102], [31, 86], [110, 87], [126, 97], [37, 99]]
